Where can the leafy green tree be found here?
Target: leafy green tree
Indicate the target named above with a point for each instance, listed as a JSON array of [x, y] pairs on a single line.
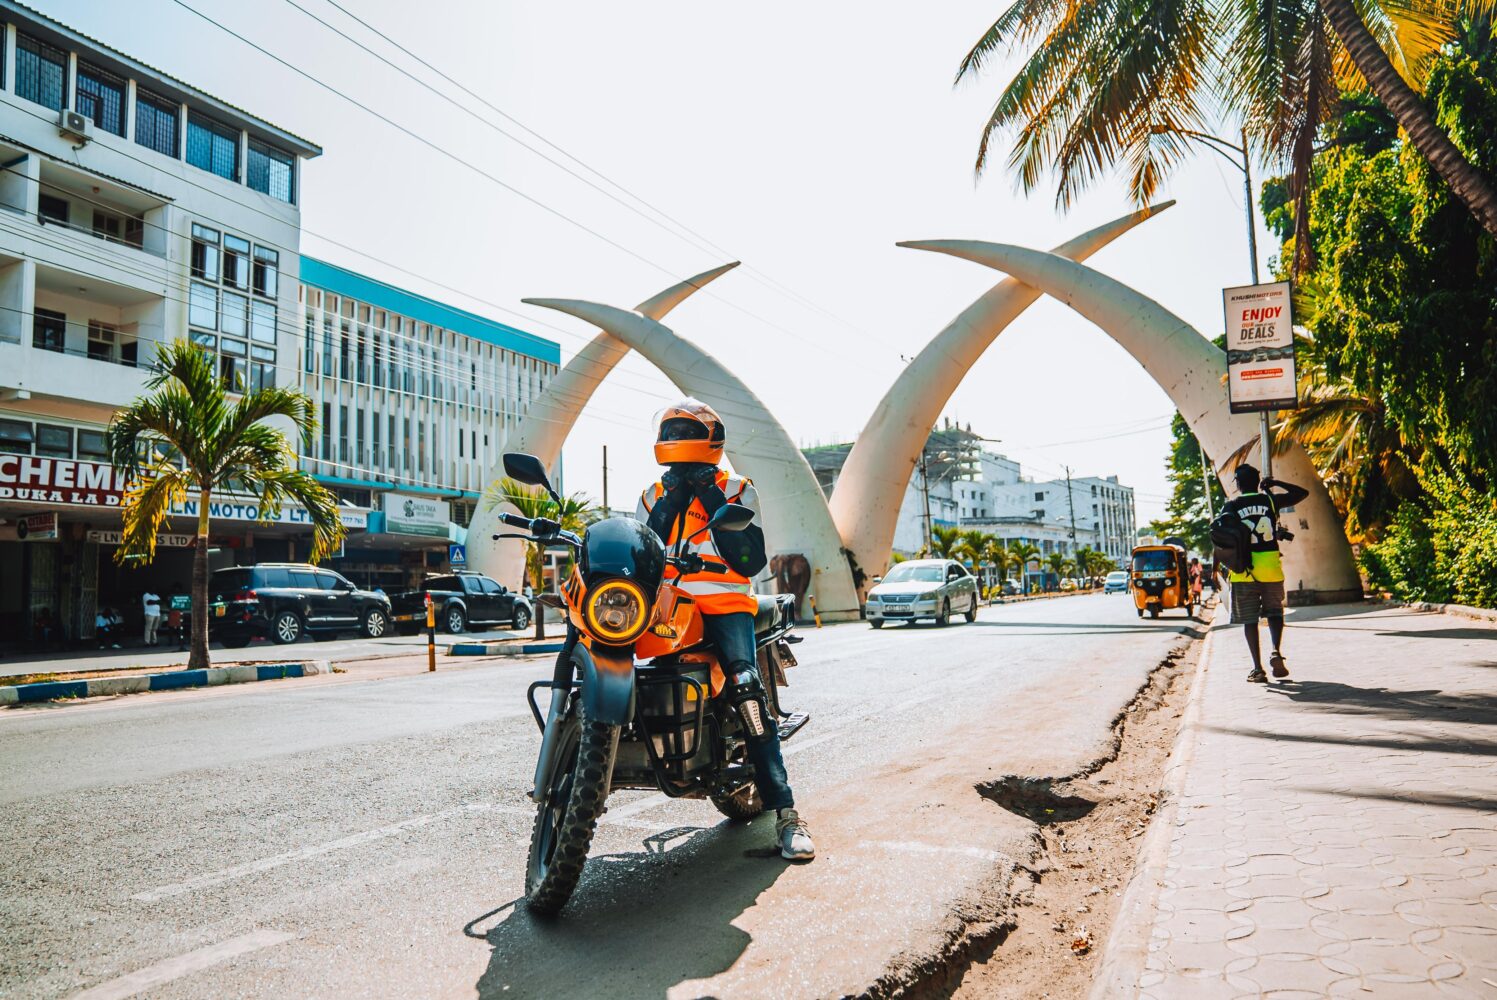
[[946, 543], [574, 514], [998, 556], [1186, 514], [1023, 553], [1131, 84], [1057, 563], [185, 440]]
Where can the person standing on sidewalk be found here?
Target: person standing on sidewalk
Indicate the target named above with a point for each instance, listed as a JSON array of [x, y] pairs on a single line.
[[150, 605], [1258, 591]]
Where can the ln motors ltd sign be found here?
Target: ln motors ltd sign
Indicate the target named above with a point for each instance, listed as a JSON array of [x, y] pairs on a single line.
[[91, 484], [1260, 348], [407, 515]]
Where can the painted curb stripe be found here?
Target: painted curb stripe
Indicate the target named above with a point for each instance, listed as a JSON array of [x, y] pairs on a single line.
[[176, 680], [502, 649], [50, 690]]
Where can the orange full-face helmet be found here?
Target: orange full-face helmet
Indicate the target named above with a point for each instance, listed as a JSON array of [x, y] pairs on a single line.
[[690, 431]]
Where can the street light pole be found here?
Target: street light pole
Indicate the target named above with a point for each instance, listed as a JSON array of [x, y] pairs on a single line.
[[925, 489]]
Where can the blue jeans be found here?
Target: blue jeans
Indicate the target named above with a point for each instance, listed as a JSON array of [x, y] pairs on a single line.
[[733, 635]]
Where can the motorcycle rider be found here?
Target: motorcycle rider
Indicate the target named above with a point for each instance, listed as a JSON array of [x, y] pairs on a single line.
[[690, 445]]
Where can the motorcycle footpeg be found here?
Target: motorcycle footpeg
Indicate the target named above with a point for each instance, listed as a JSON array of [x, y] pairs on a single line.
[[793, 724]]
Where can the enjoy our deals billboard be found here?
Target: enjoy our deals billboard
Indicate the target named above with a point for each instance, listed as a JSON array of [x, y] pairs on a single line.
[[1260, 348]]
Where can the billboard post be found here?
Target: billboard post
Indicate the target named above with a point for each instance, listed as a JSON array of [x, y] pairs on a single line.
[[1260, 354]]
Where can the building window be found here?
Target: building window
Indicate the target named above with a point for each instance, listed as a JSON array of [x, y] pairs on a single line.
[[212, 146], [390, 463], [206, 341], [92, 446], [101, 97], [343, 434], [50, 208], [49, 330], [309, 346], [266, 272], [358, 437], [236, 261], [262, 321], [202, 306], [156, 123], [376, 457], [231, 370], [343, 352], [327, 345], [204, 252], [271, 171], [262, 370], [327, 431], [54, 441], [103, 341], [127, 229], [41, 72], [15, 437], [235, 314]]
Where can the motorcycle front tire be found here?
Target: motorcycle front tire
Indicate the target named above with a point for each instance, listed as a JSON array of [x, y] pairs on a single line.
[[565, 822]]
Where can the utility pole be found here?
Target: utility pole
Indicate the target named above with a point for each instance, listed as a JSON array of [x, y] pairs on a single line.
[[1071, 501], [925, 489], [605, 481], [1247, 201]]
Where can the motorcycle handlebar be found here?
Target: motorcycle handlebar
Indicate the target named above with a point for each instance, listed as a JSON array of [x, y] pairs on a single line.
[[514, 520]]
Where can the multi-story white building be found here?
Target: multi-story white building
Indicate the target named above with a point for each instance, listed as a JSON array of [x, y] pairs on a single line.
[[135, 209], [1100, 509], [415, 400]]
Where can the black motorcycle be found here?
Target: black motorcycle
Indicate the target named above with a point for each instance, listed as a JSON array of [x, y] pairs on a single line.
[[634, 699]]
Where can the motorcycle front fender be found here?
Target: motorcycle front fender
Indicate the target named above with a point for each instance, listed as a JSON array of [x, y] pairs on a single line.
[[607, 684]]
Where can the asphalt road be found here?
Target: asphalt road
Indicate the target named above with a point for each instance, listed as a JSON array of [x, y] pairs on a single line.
[[368, 837]]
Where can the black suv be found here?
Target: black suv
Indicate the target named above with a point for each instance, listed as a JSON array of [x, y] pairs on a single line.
[[284, 601]]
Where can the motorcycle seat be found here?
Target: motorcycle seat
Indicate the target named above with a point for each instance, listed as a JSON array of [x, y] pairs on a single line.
[[774, 611]]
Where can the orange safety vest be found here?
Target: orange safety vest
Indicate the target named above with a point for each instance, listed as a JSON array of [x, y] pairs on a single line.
[[715, 593]]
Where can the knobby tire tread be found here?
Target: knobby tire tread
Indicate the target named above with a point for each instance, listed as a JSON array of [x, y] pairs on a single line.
[[579, 822]]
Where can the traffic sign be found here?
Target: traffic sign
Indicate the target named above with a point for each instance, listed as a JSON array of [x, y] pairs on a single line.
[[457, 555]]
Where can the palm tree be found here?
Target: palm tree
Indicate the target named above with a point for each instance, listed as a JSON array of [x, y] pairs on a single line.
[[974, 547], [186, 440], [1134, 83], [997, 555], [574, 514], [1057, 564], [1023, 554], [945, 543]]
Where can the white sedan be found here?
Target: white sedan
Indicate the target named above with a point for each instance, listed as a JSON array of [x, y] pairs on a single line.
[[923, 588]]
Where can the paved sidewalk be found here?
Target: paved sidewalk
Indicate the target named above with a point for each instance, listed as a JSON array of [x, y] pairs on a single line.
[[1335, 834]]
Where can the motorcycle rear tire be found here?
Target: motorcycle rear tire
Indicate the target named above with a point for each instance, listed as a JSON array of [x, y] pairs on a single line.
[[742, 806], [563, 830]]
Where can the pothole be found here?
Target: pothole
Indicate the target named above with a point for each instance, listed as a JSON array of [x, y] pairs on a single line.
[[1039, 800]]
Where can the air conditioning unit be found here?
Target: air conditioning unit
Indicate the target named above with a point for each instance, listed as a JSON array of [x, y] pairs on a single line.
[[74, 124]]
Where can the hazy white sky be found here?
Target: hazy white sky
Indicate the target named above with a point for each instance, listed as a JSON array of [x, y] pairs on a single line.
[[804, 139]]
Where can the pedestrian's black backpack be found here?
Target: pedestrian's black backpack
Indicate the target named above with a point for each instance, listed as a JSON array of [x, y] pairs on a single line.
[[1232, 541]]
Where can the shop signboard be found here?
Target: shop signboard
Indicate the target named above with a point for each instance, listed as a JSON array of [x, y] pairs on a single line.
[[37, 527], [71, 483], [408, 515], [164, 540], [1260, 348]]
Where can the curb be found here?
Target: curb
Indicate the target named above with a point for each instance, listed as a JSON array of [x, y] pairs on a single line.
[[94, 687], [503, 648], [1127, 949], [1460, 610]]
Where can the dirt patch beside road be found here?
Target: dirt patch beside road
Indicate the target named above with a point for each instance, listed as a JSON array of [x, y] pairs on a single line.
[[1089, 828]]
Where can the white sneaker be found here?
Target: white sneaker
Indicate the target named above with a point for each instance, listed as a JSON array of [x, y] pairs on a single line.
[[794, 837]]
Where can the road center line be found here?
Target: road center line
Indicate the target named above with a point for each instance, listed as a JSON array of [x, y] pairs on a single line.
[[313, 850], [182, 965]]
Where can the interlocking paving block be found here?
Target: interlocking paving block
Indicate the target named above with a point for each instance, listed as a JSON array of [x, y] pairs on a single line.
[[1337, 835]]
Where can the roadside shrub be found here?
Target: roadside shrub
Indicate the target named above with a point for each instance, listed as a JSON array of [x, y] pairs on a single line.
[[1443, 549]]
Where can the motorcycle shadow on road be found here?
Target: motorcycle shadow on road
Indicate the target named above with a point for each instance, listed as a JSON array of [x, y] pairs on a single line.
[[640, 922]]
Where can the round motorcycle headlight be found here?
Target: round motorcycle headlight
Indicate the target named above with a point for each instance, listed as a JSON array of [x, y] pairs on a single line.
[[617, 611]]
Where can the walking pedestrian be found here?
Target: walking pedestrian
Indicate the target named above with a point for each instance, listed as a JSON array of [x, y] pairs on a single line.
[[1258, 591], [150, 604]]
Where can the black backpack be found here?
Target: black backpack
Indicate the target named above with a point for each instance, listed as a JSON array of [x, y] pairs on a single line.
[[1232, 542]]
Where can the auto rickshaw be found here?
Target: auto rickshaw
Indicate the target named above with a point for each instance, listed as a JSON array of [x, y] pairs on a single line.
[[1160, 579]]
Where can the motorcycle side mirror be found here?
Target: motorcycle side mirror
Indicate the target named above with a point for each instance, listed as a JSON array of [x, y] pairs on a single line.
[[732, 517], [528, 469]]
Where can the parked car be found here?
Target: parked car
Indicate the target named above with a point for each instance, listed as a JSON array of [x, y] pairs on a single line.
[[461, 599], [1117, 583], [1012, 587], [923, 588], [1068, 584], [284, 601]]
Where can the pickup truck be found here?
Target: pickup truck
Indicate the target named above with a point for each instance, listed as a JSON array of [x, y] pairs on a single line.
[[461, 600]]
